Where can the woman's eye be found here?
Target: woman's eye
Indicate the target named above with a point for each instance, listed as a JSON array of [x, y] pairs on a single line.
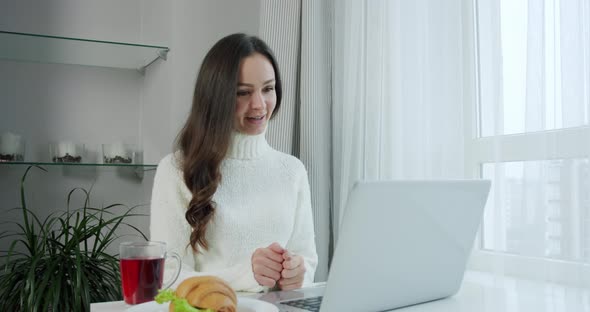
[[268, 89], [243, 93]]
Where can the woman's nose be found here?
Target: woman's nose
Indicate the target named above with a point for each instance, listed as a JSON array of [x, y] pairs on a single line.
[[257, 101]]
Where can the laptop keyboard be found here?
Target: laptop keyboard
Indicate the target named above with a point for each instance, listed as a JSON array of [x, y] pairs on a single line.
[[309, 304]]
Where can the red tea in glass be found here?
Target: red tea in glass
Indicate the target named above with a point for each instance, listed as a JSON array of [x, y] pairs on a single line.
[[142, 270], [141, 279]]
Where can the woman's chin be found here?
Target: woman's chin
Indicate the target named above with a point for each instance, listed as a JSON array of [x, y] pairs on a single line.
[[253, 129]]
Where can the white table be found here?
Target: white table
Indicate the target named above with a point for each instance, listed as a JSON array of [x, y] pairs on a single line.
[[120, 306], [483, 292]]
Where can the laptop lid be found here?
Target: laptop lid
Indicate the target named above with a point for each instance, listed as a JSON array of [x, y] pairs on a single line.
[[403, 243]]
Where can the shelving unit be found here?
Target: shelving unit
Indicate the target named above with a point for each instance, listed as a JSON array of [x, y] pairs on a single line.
[[77, 51], [138, 169], [65, 164], [38, 48]]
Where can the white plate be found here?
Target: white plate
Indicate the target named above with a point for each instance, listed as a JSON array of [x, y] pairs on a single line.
[[244, 305]]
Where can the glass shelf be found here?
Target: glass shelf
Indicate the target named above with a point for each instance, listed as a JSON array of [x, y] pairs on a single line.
[[63, 50], [137, 169], [28, 163]]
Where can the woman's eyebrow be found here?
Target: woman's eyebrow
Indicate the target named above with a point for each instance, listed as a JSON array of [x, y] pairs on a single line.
[[243, 84]]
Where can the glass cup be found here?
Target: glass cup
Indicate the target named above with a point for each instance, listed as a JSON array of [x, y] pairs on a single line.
[[12, 147], [67, 152], [120, 153], [142, 270]]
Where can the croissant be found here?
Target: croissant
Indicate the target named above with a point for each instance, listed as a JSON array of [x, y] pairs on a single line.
[[207, 292]]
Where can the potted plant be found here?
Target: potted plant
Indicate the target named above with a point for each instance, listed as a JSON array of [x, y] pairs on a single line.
[[61, 263]]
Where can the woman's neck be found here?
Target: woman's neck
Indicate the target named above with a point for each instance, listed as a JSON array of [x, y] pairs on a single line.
[[244, 146]]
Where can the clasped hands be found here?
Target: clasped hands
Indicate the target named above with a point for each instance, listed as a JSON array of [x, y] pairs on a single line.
[[275, 265]]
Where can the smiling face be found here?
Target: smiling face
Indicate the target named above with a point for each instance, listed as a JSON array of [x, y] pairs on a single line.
[[256, 98]]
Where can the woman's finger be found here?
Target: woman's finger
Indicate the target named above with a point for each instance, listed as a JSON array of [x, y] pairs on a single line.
[[276, 247], [270, 254], [286, 273], [265, 271], [292, 262], [264, 281], [271, 264], [290, 281]]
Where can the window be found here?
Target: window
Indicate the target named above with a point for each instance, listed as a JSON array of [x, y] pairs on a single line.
[[533, 138], [539, 208], [534, 65]]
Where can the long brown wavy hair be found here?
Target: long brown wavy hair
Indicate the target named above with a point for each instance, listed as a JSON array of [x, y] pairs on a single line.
[[205, 138]]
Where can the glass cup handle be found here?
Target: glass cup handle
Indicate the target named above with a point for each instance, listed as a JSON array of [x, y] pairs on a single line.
[[178, 268]]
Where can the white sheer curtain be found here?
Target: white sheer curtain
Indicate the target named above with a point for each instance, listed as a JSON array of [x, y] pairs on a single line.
[[299, 33], [397, 91], [498, 89], [534, 139]]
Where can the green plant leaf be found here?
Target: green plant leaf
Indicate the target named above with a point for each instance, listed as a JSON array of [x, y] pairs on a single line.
[[52, 264]]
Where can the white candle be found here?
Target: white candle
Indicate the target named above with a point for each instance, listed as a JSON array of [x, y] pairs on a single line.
[[118, 149], [10, 143], [66, 148]]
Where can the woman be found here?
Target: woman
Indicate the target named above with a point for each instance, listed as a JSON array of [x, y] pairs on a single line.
[[227, 202]]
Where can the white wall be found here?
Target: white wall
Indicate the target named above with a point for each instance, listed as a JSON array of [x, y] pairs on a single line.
[[106, 19], [148, 110], [194, 27], [46, 102], [52, 102]]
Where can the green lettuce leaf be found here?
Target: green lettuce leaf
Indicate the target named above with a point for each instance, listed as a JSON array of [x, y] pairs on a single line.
[[180, 304]]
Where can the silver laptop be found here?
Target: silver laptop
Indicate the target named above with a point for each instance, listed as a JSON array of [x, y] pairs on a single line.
[[401, 243]]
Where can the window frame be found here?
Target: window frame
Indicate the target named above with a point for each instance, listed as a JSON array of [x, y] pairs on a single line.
[[542, 145]]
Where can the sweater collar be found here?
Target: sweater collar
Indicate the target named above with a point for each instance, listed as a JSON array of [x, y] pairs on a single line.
[[244, 146]]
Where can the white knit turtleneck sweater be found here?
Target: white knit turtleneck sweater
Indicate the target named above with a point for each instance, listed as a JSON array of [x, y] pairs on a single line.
[[263, 198]]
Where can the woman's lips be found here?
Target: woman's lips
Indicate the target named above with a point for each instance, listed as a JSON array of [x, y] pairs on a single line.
[[256, 120]]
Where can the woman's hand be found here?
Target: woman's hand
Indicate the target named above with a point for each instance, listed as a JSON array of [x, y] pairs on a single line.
[[267, 264], [293, 271]]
